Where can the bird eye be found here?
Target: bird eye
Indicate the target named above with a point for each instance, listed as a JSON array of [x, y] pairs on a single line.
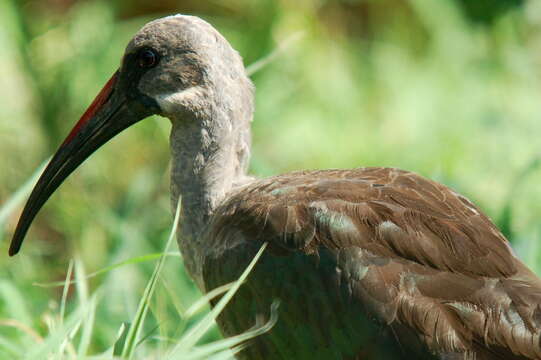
[[147, 58]]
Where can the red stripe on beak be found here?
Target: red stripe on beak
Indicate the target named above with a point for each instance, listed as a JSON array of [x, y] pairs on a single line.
[[98, 102], [107, 116]]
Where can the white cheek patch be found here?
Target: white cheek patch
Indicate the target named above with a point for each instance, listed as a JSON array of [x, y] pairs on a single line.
[[173, 102]]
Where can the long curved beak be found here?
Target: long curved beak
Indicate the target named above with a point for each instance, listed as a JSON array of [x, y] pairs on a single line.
[[107, 116]]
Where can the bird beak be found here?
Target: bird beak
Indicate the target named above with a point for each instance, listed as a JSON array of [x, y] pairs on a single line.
[[107, 116]]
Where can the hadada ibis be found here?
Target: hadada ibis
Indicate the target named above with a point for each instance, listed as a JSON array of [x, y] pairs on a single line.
[[368, 263]]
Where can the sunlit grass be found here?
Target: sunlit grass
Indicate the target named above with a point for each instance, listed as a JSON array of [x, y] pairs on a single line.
[[69, 334]]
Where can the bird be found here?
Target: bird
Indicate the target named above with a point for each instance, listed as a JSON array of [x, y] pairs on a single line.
[[368, 263]]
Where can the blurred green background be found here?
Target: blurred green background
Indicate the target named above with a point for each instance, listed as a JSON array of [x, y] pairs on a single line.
[[448, 89]]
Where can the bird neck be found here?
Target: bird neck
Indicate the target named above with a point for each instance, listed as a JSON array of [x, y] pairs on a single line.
[[209, 159]]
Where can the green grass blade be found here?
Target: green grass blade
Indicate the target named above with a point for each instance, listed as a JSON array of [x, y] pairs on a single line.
[[192, 336], [65, 292], [227, 354], [261, 63], [203, 301], [85, 301], [205, 351], [17, 199], [57, 339], [87, 328], [15, 303], [121, 339], [130, 261], [137, 324]]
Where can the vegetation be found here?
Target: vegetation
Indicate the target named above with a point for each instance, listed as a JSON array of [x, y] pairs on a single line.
[[442, 88]]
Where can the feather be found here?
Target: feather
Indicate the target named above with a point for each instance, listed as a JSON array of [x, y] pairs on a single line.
[[381, 261]]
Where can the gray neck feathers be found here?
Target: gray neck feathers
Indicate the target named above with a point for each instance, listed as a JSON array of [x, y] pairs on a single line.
[[210, 150]]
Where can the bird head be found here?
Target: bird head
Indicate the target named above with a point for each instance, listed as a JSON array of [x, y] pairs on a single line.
[[179, 67]]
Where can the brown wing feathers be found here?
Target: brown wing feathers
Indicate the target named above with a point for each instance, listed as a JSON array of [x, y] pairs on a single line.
[[413, 252]]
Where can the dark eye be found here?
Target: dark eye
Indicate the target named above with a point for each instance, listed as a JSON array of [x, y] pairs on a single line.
[[147, 58]]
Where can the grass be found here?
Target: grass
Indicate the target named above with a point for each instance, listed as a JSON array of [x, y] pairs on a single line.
[[417, 86], [69, 335]]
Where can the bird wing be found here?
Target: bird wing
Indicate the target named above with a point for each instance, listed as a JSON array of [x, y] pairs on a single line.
[[413, 252]]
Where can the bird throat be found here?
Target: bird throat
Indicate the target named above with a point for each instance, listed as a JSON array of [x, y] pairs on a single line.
[[209, 159]]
